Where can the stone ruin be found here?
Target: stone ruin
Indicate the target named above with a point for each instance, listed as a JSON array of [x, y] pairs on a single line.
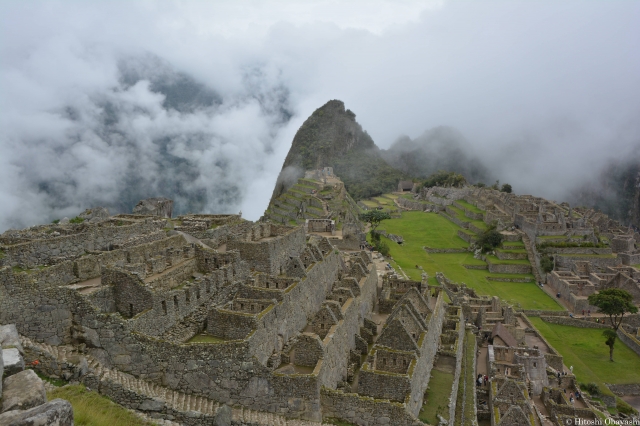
[[185, 318], [162, 207]]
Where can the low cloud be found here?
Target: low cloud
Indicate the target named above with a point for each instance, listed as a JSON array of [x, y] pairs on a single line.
[[104, 103]]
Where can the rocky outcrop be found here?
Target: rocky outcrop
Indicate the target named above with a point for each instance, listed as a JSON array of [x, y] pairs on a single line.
[[54, 413], [12, 360], [23, 391], [162, 207], [331, 137]]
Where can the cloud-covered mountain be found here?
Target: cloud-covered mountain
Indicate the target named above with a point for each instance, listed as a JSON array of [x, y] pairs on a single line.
[[151, 131], [441, 148]]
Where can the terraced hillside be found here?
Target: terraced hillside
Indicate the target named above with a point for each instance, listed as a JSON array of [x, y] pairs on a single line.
[[312, 199], [439, 242]]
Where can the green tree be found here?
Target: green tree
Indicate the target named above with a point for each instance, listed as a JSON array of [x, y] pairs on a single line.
[[506, 188], [446, 179], [374, 218], [614, 302], [489, 239], [546, 263]]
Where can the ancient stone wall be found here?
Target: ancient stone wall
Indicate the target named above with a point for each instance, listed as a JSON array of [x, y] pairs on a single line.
[[341, 338], [365, 411], [300, 302], [384, 384], [173, 277], [579, 250], [43, 252], [601, 262], [498, 268], [630, 340], [629, 258], [428, 350], [270, 254]]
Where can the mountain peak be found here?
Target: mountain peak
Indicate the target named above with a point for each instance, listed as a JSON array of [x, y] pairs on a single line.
[[331, 136]]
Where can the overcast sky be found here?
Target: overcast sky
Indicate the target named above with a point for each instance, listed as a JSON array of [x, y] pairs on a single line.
[[546, 92]]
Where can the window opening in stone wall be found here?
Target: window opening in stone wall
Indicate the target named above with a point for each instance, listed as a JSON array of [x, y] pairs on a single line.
[[197, 292], [188, 296], [535, 364], [164, 307], [175, 302], [131, 309], [208, 286]]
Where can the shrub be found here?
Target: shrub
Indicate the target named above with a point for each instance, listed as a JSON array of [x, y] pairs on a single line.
[[378, 244], [506, 188], [444, 178], [76, 220], [592, 388], [489, 239], [546, 263], [624, 408], [55, 221]]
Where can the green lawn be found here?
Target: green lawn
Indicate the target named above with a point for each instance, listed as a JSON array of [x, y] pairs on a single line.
[[469, 206], [513, 244], [437, 397], [384, 201], [584, 348], [93, 409], [425, 229], [432, 230]]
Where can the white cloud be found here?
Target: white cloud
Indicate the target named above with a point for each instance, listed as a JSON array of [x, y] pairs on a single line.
[[543, 87]]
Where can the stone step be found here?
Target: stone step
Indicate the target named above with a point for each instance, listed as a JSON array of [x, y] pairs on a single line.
[[178, 401]]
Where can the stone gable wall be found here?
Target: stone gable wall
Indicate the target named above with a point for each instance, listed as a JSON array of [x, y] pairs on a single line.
[[341, 339], [365, 411], [300, 302], [422, 371], [271, 255]]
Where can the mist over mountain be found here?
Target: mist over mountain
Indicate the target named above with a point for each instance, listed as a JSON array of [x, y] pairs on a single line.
[[441, 148], [615, 190], [148, 130]]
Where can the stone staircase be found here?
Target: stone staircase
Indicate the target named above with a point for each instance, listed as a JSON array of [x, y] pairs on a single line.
[[115, 383], [532, 258]]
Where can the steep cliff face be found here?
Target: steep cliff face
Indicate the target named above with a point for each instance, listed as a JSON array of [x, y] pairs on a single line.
[[332, 137]]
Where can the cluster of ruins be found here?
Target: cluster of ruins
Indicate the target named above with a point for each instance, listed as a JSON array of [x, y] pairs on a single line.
[[589, 250], [222, 312], [212, 319]]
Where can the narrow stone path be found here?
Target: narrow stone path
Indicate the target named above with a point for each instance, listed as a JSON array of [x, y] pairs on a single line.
[[177, 401]]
